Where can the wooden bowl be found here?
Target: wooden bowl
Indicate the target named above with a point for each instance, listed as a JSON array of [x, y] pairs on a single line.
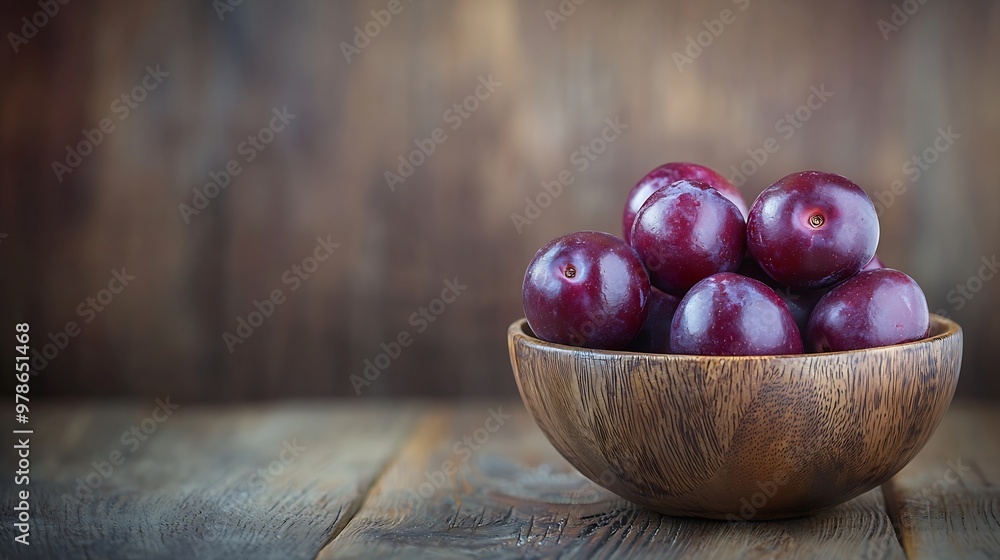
[[746, 437]]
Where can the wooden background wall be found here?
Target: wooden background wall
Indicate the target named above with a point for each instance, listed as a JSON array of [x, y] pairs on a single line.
[[324, 174]]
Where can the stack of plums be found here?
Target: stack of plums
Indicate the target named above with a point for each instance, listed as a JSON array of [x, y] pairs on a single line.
[[700, 273]]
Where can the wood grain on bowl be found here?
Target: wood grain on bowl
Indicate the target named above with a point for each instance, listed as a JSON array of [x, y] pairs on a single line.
[[746, 437]]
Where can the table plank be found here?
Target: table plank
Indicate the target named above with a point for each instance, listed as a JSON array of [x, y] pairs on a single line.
[[515, 496], [246, 482], [946, 502]]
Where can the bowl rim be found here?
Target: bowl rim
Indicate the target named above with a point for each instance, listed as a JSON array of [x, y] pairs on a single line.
[[944, 327]]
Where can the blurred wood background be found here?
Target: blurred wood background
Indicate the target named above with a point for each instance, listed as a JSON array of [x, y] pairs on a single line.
[[324, 174]]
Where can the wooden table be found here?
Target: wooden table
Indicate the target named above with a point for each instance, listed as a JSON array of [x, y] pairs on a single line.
[[339, 479]]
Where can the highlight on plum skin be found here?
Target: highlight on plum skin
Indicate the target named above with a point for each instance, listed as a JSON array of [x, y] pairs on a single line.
[[701, 275], [731, 315], [812, 230], [586, 289], [800, 303], [686, 232], [878, 307], [668, 174]]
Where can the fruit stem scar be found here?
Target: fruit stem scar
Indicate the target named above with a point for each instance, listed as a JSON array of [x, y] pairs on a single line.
[[570, 271], [816, 220]]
